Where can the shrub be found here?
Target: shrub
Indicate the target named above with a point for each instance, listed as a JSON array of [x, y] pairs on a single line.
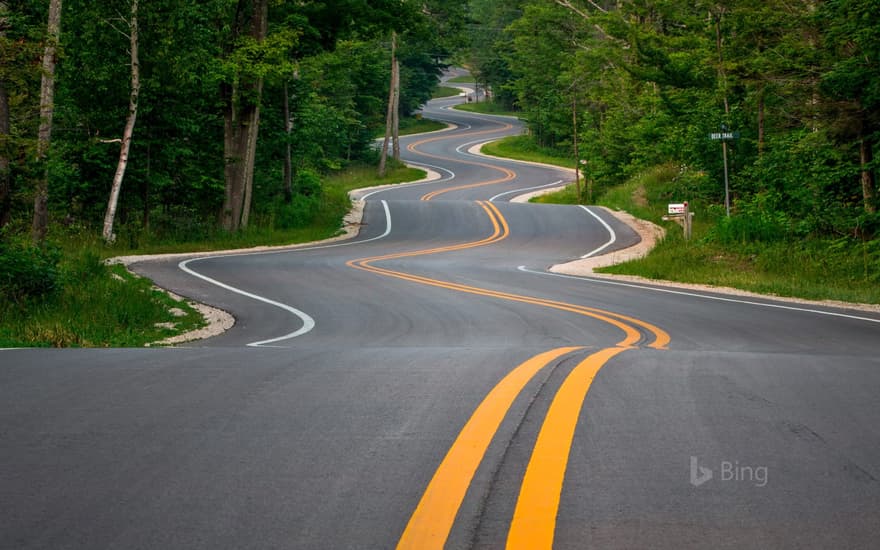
[[28, 271]]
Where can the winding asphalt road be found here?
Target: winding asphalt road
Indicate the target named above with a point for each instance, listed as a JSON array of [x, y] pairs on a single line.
[[429, 383]]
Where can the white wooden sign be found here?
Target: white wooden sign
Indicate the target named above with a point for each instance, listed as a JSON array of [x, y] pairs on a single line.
[[677, 208]]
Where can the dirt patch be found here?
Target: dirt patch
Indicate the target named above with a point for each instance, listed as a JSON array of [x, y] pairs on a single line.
[[640, 197]]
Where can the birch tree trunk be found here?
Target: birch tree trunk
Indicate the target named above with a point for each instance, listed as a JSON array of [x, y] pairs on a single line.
[[110, 216], [47, 110], [383, 159], [395, 113]]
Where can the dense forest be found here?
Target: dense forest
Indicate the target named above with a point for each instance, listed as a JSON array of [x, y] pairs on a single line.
[[184, 116], [796, 85]]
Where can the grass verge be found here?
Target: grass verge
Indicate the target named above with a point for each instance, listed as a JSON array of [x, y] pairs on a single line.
[[414, 125], [843, 269], [95, 306], [65, 296], [524, 148], [486, 108], [445, 91]]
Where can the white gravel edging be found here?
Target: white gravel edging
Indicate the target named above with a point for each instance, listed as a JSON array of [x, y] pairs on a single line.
[[650, 235]]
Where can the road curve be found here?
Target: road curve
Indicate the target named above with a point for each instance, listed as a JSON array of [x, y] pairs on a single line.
[[429, 383]]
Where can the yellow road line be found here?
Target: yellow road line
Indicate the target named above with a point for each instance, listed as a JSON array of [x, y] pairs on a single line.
[[632, 336], [534, 519], [508, 174], [432, 520], [501, 232]]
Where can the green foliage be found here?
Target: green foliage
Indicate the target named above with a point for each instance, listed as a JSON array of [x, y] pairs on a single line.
[[98, 306], [445, 91], [487, 108], [524, 148], [28, 272], [648, 82]]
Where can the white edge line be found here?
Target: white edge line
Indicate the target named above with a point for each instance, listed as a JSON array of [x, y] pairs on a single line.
[[525, 189], [610, 231], [695, 295], [307, 320]]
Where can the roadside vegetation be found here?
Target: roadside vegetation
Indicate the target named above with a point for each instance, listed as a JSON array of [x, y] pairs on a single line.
[[62, 294], [487, 108], [414, 125], [749, 251], [790, 92], [525, 148], [441, 92], [135, 138]]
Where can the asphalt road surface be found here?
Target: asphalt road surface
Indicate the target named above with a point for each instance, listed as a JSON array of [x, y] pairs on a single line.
[[429, 383]]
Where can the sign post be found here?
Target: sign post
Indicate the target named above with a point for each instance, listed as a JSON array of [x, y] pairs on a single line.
[[724, 136], [681, 213]]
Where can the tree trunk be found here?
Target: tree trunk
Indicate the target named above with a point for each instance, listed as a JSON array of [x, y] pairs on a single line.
[[288, 164], [47, 110], [5, 177], [577, 160], [722, 73], [869, 188], [383, 159], [110, 216], [761, 118], [395, 114], [241, 127], [5, 128], [145, 193]]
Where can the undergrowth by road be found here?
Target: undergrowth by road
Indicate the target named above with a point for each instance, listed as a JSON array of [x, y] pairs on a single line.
[[751, 250], [445, 91], [486, 108], [63, 294]]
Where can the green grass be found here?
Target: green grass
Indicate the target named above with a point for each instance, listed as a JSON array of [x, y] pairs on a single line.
[[486, 108], [815, 268], [418, 125], [524, 148], [818, 269], [463, 79], [445, 91], [100, 306], [96, 306], [413, 125]]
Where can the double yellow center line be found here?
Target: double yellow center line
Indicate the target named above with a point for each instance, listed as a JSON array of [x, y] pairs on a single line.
[[534, 518], [501, 230], [508, 174]]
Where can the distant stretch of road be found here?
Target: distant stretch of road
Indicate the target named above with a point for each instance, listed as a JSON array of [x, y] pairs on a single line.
[[429, 384]]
